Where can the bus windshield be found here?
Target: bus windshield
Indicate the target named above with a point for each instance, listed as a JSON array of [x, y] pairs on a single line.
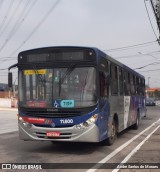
[[73, 87]]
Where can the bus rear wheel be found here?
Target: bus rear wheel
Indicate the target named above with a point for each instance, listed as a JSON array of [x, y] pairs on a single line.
[[110, 140]]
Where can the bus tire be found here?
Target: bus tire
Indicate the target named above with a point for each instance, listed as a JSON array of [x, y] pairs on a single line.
[[110, 140], [136, 125]]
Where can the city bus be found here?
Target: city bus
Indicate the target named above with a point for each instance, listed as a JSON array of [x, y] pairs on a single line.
[[76, 94]]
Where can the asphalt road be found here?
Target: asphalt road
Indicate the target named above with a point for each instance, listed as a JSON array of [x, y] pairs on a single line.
[[8, 120], [132, 149]]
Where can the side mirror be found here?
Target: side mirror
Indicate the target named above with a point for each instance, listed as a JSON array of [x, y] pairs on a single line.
[[10, 79]]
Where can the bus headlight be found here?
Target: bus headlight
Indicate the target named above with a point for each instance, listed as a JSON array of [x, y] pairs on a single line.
[[91, 120], [88, 123], [26, 124], [20, 119]]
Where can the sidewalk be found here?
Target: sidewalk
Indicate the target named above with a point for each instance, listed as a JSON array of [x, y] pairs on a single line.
[[8, 109]]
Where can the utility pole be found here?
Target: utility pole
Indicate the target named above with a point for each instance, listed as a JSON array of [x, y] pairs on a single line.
[[156, 9]]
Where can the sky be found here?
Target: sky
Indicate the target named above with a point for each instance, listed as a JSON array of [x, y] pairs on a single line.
[[109, 25]]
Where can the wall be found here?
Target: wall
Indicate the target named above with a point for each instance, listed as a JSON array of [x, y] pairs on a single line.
[[5, 102]]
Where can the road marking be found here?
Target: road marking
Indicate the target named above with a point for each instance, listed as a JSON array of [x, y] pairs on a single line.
[[135, 150], [108, 157]]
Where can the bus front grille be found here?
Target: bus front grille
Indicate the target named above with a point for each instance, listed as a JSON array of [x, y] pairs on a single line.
[[53, 114], [49, 126]]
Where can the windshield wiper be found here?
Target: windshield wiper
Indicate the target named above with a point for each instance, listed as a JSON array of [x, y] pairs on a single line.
[[67, 73], [40, 78]]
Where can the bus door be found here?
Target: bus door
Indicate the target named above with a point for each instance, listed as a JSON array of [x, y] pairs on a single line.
[[103, 104]]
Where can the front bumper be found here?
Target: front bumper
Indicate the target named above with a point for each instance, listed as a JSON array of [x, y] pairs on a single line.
[[70, 134]]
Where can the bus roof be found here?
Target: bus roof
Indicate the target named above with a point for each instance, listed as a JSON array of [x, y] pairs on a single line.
[[98, 52], [111, 59]]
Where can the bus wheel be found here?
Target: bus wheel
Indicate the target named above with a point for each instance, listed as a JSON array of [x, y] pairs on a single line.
[[136, 125], [110, 140]]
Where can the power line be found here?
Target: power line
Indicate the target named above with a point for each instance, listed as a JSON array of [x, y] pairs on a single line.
[[35, 29], [150, 20], [7, 13], [4, 69], [5, 60], [128, 56], [38, 25], [139, 54], [4, 75], [1, 58], [156, 10], [17, 25], [1, 2], [20, 19], [9, 20], [131, 46], [155, 63], [5, 72], [154, 52], [22, 16], [150, 70]]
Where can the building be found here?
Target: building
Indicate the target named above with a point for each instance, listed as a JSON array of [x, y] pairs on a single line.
[[153, 92]]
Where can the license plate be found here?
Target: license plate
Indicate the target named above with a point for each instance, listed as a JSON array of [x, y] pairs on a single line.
[[53, 134]]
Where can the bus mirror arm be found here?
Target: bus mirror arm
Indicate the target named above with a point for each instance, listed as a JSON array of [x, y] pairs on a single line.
[[10, 78], [13, 66]]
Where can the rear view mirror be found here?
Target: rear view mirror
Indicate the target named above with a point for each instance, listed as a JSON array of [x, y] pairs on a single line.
[[10, 79]]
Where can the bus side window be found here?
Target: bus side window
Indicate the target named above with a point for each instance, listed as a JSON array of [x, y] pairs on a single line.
[[103, 85], [132, 84], [127, 84], [137, 85], [121, 81], [143, 87], [114, 82]]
